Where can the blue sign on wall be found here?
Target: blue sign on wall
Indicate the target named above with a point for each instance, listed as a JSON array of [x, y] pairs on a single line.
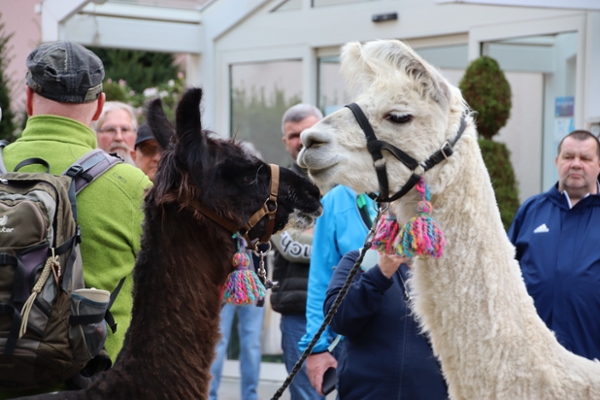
[[564, 106]]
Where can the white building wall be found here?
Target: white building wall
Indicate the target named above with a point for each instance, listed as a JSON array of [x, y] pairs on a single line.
[[293, 34], [239, 31]]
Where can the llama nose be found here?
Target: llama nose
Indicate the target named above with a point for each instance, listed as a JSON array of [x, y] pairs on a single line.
[[312, 138]]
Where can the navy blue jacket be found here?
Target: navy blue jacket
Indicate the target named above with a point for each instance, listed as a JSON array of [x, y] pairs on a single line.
[[559, 252], [385, 356]]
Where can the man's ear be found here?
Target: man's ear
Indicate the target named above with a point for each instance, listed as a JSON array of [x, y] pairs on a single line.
[[29, 100], [100, 106], [133, 155]]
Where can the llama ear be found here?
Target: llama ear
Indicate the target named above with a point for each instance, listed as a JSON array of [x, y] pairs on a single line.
[[432, 82], [188, 117], [192, 139], [356, 69], [159, 123], [188, 122]]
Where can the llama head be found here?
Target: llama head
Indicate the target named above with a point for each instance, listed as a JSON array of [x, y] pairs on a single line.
[[408, 104], [222, 175]]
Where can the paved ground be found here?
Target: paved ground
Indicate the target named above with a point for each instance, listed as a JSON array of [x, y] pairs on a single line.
[[272, 376]]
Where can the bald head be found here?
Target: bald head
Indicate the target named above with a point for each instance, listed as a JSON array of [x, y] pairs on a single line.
[[82, 112]]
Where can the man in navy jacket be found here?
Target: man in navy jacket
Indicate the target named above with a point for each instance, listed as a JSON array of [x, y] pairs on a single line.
[[557, 238]]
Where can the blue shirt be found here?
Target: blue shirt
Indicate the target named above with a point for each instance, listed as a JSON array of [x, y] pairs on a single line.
[[558, 248], [339, 230]]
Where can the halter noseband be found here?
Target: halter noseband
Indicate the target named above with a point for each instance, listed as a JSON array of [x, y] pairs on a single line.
[[268, 209], [375, 146]]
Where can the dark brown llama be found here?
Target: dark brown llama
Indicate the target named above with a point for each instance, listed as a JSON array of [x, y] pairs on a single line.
[[186, 257]]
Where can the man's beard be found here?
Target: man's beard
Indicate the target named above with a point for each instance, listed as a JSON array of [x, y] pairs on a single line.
[[123, 152]]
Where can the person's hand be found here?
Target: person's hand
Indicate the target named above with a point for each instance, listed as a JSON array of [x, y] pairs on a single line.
[[389, 264], [316, 365]]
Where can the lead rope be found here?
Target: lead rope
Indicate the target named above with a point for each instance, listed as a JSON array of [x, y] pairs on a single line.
[[332, 310], [262, 272], [51, 263]]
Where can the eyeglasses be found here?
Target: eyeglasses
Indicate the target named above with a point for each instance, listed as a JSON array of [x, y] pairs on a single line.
[[112, 130], [149, 148]]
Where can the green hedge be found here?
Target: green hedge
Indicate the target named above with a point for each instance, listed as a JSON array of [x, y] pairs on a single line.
[[497, 160]]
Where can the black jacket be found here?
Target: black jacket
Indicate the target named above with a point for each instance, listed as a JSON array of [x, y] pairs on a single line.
[[289, 296]]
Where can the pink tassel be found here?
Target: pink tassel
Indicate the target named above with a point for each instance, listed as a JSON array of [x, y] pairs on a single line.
[[385, 234], [420, 236], [243, 287]]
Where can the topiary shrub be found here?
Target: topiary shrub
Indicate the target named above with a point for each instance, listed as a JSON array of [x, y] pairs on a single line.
[[486, 90], [497, 160]]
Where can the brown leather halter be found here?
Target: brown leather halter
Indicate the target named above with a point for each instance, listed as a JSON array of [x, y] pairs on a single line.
[[269, 209]]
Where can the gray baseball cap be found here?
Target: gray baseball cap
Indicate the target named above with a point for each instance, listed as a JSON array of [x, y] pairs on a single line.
[[144, 133], [65, 72]]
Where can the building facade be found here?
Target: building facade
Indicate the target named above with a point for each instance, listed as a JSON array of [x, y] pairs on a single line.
[[256, 57]]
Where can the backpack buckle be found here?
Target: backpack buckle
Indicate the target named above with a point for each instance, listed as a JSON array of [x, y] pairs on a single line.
[[74, 170]]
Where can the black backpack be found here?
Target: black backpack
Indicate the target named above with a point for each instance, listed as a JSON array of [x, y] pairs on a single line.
[[51, 326]]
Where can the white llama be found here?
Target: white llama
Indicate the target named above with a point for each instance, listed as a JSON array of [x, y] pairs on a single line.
[[473, 301]]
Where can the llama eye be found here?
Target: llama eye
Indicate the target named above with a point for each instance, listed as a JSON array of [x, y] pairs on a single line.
[[399, 118], [249, 179]]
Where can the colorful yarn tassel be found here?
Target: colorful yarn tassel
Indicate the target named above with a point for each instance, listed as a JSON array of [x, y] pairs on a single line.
[[385, 236], [422, 235], [243, 287]]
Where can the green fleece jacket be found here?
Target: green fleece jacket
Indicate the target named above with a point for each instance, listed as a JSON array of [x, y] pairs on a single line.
[[110, 209]]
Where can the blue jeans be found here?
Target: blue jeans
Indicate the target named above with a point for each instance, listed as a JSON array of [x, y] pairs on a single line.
[[250, 320], [293, 328]]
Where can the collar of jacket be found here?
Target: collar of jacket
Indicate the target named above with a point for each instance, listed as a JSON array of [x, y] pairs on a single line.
[[557, 197], [58, 129]]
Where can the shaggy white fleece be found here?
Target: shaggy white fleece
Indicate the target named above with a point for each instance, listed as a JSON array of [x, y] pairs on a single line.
[[473, 302]]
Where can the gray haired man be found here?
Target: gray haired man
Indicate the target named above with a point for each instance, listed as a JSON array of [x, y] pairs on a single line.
[[292, 260]]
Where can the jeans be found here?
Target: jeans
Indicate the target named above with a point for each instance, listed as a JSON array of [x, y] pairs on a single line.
[[293, 328], [250, 320]]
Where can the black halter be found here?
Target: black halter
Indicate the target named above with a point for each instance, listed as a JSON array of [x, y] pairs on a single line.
[[375, 146], [269, 210]]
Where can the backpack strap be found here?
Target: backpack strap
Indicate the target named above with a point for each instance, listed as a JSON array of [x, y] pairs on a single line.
[[33, 161], [89, 167], [86, 170], [110, 320], [83, 172]]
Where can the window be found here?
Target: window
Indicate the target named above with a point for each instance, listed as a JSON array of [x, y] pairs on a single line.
[[331, 85], [260, 94]]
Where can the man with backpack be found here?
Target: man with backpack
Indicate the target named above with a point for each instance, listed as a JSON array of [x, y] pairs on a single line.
[[64, 95]]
